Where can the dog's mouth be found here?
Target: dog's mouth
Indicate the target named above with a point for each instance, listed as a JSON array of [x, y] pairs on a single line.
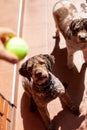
[[41, 80], [43, 86], [40, 77]]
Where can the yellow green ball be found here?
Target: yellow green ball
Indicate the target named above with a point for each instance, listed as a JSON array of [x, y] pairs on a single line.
[[18, 46]]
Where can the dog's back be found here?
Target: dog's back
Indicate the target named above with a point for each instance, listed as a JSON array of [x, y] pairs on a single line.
[[63, 13]]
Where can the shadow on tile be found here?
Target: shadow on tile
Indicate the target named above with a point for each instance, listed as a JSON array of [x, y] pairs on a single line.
[[31, 120], [65, 120]]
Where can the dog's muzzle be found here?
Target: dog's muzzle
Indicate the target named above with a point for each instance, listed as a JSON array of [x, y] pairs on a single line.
[[45, 86], [82, 37], [40, 75]]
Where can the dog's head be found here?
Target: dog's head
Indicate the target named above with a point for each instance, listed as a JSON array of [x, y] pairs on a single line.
[[37, 68], [78, 30]]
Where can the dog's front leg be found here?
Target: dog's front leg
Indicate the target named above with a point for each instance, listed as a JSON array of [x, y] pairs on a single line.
[[46, 118], [45, 115], [69, 103], [70, 52], [70, 63]]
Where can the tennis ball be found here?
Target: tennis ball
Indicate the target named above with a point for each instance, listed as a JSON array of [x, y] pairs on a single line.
[[18, 46]]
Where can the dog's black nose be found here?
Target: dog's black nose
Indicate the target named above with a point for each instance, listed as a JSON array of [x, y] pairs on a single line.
[[82, 38], [38, 74]]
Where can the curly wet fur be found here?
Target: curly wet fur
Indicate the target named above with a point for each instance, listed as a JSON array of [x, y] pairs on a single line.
[[42, 86], [73, 27]]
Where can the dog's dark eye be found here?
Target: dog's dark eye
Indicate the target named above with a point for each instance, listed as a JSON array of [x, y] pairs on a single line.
[[75, 31], [30, 68], [85, 24]]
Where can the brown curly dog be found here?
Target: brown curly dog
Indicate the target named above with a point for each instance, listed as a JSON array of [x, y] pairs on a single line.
[[42, 86], [73, 26]]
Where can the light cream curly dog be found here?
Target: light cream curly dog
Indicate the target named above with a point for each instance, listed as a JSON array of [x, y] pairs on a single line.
[[73, 27], [42, 86]]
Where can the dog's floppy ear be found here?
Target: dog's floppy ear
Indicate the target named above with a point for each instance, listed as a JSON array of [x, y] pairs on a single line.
[[23, 70], [69, 34], [75, 26], [50, 61]]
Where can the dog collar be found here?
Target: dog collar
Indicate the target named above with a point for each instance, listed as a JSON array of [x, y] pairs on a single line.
[[44, 87]]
